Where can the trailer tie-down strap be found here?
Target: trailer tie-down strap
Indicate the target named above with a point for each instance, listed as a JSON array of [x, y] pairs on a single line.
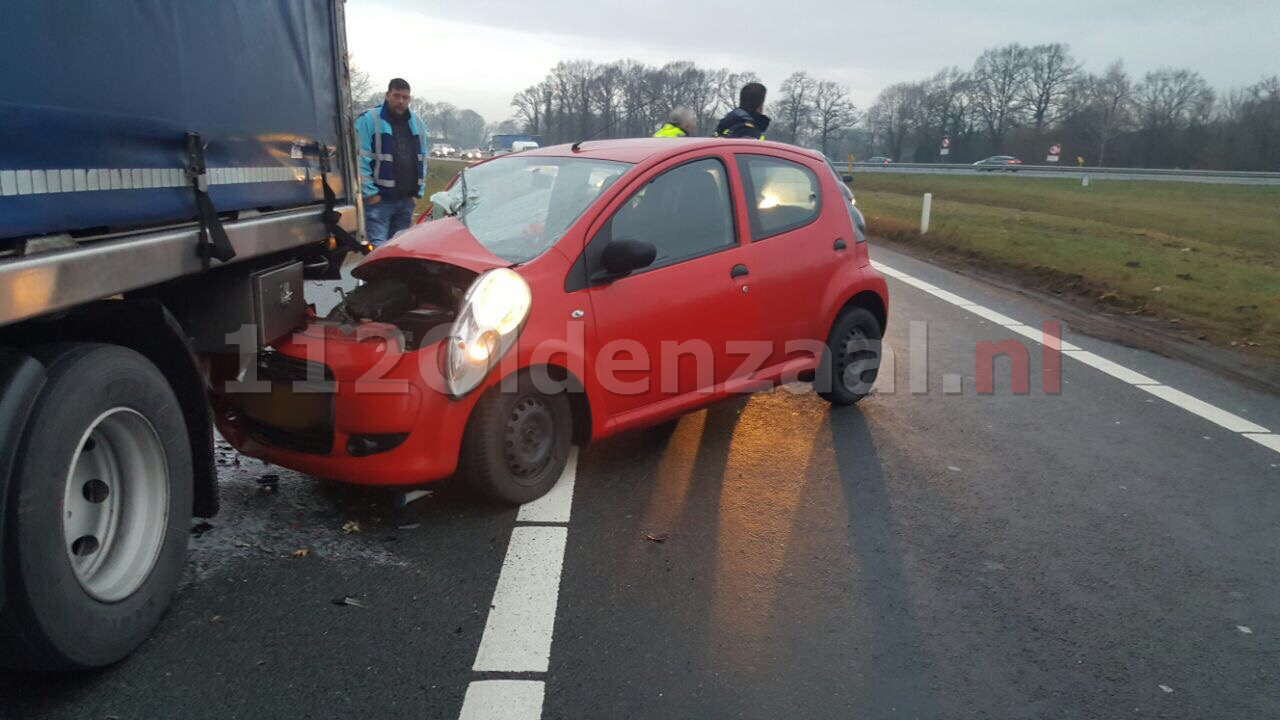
[[214, 242], [345, 240]]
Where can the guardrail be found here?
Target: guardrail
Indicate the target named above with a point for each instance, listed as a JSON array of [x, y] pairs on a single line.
[[1063, 169]]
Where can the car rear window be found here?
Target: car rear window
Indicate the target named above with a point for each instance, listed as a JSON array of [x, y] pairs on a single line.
[[781, 195]]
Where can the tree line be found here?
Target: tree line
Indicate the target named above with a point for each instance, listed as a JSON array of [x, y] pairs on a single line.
[[1015, 100], [1019, 100], [580, 99]]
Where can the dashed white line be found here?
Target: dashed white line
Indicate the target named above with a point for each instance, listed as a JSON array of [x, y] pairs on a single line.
[[522, 617], [1191, 404], [517, 637], [554, 506], [503, 700]]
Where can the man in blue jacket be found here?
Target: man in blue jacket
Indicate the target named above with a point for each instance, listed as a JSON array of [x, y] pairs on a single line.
[[393, 163]]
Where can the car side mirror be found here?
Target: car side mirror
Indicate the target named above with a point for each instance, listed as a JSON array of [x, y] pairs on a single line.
[[624, 256]]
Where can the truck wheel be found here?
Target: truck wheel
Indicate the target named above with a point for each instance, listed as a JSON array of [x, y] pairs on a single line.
[[100, 515], [517, 443], [848, 369]]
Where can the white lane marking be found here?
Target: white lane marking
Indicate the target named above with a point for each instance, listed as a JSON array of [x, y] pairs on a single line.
[[1212, 413], [522, 617], [991, 315], [517, 637], [1037, 335], [1119, 372], [554, 507], [1194, 405], [503, 700], [1270, 440]]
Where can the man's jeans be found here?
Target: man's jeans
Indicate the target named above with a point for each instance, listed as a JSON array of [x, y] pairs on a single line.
[[385, 218]]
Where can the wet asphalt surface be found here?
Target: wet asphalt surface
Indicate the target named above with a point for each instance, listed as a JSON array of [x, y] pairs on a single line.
[[1092, 554]]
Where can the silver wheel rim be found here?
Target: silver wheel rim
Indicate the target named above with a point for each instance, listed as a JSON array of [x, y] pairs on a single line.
[[115, 509]]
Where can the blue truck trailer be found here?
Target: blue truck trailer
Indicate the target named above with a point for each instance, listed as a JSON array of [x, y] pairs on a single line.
[[170, 173]]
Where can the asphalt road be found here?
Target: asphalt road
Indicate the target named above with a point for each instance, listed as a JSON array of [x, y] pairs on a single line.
[[1096, 553], [1072, 172]]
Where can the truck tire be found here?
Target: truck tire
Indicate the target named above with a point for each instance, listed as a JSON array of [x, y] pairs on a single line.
[[849, 367], [517, 443], [100, 512]]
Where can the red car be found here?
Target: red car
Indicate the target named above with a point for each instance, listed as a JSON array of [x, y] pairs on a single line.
[[573, 293]]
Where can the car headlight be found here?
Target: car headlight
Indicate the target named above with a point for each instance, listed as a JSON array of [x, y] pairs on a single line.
[[493, 311]]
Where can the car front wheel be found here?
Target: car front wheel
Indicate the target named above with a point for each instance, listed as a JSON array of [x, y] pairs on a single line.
[[517, 442]]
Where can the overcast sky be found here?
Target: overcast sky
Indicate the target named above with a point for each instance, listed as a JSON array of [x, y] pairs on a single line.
[[478, 53]]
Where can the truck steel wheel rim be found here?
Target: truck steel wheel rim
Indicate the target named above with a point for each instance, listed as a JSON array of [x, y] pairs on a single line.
[[116, 505], [530, 439]]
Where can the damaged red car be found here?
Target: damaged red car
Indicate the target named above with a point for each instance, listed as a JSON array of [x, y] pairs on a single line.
[[563, 295]]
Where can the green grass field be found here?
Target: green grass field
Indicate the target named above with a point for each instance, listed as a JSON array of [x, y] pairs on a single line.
[[1206, 255]]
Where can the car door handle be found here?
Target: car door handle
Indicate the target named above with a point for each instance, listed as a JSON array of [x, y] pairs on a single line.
[[738, 271], [839, 244]]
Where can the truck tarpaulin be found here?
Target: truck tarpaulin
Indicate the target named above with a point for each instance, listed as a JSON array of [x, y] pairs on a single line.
[[94, 131]]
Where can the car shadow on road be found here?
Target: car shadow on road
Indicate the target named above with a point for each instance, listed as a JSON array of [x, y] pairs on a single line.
[[903, 678]]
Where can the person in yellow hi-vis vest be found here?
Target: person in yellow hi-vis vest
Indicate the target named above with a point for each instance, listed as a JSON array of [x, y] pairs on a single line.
[[682, 123]]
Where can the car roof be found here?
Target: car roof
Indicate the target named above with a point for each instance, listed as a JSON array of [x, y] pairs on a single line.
[[637, 150]]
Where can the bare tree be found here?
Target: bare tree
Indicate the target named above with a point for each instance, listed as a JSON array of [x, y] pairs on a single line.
[[1104, 106], [895, 115], [794, 109], [469, 129], [833, 113], [999, 77], [1166, 102], [1050, 70], [361, 86], [528, 105]]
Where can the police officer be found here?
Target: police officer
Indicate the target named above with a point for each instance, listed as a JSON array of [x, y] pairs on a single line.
[[746, 121], [393, 163], [681, 124]]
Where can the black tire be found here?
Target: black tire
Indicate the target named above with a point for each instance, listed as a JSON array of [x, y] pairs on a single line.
[[51, 622], [849, 367], [517, 443]]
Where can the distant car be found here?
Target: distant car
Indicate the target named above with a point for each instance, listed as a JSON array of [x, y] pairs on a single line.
[[441, 150], [644, 243], [879, 160], [998, 162], [472, 154], [522, 145]]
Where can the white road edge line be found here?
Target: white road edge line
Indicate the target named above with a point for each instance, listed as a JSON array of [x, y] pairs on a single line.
[[1173, 396], [522, 617]]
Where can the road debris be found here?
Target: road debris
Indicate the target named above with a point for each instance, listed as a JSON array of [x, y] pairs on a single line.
[[215, 619], [300, 553], [1245, 629], [269, 482], [348, 600], [656, 537], [1167, 690], [350, 526]]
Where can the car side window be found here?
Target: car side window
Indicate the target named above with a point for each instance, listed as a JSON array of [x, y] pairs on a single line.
[[685, 213], [781, 195]]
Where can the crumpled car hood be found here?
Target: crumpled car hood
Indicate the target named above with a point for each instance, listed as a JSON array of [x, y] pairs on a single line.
[[445, 240]]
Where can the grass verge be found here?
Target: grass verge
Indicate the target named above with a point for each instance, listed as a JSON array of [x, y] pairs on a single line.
[[1203, 257]]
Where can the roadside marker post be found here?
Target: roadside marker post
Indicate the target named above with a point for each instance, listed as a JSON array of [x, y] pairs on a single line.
[[924, 213], [1084, 181]]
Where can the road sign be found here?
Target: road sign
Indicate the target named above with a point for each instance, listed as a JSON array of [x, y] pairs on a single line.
[[946, 146], [1054, 151]]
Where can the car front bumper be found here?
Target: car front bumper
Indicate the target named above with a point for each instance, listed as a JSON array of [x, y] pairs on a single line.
[[346, 412]]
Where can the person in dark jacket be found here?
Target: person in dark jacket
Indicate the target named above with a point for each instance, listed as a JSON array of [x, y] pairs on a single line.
[[746, 121]]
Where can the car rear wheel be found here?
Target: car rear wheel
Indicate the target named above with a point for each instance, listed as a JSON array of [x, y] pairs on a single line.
[[99, 519], [517, 443], [849, 367]]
